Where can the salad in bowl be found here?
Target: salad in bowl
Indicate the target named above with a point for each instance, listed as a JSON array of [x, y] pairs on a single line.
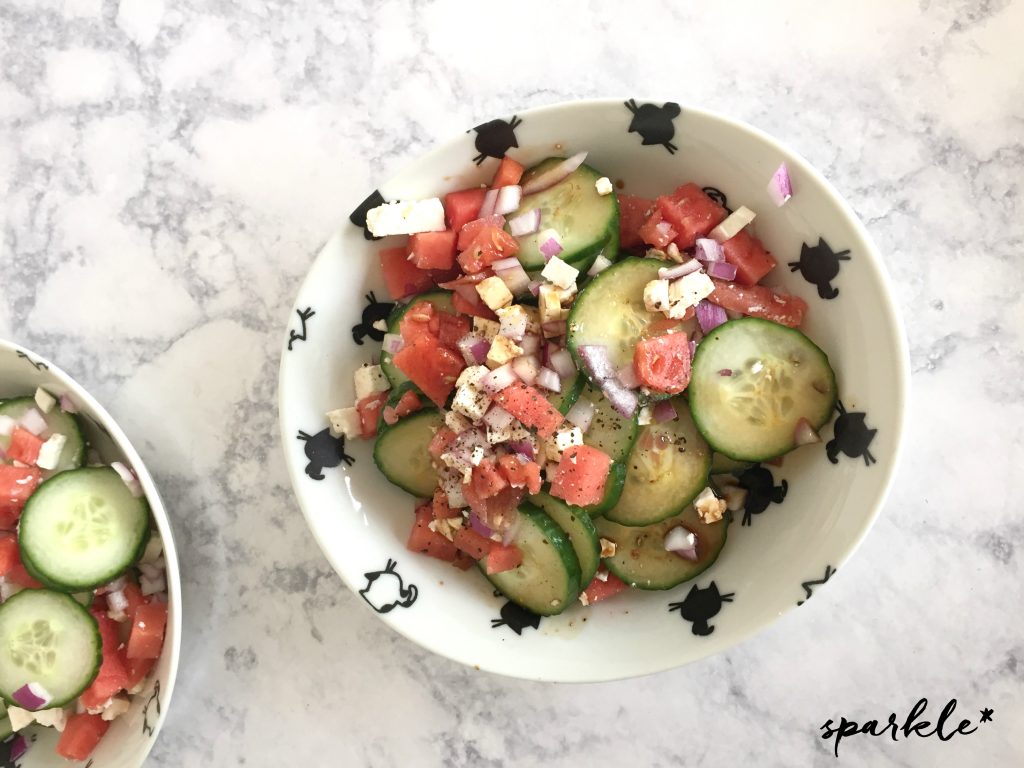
[[633, 367], [88, 626]]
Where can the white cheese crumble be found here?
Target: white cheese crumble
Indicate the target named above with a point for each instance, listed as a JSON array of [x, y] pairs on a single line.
[[560, 273], [503, 350], [604, 186], [45, 400], [49, 452], [709, 507], [406, 217], [369, 379], [608, 548], [345, 421], [494, 293]]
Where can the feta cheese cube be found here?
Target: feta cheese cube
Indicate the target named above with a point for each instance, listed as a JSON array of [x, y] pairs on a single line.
[[656, 296], [687, 291], [560, 273], [52, 718], [406, 217], [20, 717], [470, 400], [45, 400], [503, 350], [550, 305], [381, 325], [608, 548], [369, 379], [645, 416], [709, 507], [116, 707], [494, 293], [604, 186], [584, 599], [345, 421], [477, 456], [486, 328], [456, 422], [49, 452], [566, 438], [514, 321]]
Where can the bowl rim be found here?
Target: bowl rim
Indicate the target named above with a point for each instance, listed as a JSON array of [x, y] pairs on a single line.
[[159, 511], [889, 312]]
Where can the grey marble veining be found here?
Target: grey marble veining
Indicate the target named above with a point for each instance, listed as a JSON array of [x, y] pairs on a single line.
[[168, 171]]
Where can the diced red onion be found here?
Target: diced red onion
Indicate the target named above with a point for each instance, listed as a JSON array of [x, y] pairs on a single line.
[[502, 265], [601, 263], [693, 348], [554, 175], [67, 404], [709, 250], [709, 316], [530, 344], [153, 569], [561, 363], [19, 744], [780, 188], [525, 447], [513, 326], [664, 411], [32, 696], [682, 542], [548, 379], [463, 280], [490, 199], [468, 292], [679, 270], [525, 223], [805, 433], [129, 478], [736, 221], [508, 199], [512, 531], [114, 586], [393, 343], [725, 372], [627, 376], [664, 228], [534, 287], [498, 379], [7, 425], [723, 270], [515, 279], [550, 248], [497, 417], [599, 365], [474, 348], [526, 368], [478, 525], [735, 497], [33, 421], [581, 414]]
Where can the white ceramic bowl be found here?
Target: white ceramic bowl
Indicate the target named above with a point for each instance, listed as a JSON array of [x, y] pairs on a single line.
[[131, 736], [768, 567]]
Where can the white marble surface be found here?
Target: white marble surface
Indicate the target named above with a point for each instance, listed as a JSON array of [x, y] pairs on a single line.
[[169, 169]]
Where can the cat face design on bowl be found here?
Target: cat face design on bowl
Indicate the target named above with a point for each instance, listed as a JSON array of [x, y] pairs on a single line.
[[385, 590]]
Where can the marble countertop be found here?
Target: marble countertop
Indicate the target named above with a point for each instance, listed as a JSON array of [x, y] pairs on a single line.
[[169, 170]]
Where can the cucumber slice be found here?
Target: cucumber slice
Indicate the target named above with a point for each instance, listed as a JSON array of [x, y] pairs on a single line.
[[82, 528], [610, 431], [723, 465], [584, 220], [640, 557], [47, 638], [570, 393], [579, 528], [609, 311], [6, 729], [401, 452], [548, 580], [441, 300], [668, 467], [778, 376], [56, 421], [613, 487]]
